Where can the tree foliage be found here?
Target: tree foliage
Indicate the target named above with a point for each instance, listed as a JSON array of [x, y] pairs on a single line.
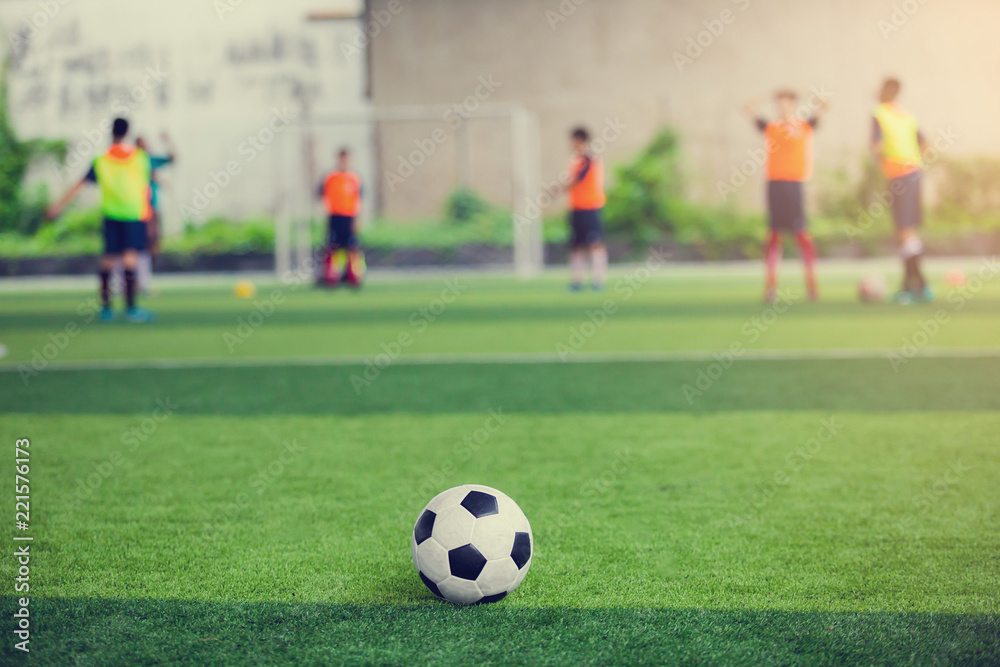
[[20, 210]]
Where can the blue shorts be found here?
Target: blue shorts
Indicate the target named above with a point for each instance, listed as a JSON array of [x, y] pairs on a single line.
[[585, 228], [906, 208], [122, 235], [342, 232]]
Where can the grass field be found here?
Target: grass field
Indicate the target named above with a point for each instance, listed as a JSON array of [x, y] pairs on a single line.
[[231, 488]]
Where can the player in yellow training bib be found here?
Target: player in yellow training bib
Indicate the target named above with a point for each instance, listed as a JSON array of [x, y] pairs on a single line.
[[123, 175], [899, 146]]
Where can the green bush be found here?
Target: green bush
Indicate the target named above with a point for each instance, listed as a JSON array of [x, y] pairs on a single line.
[[641, 204], [223, 236], [967, 191], [74, 224], [20, 211], [842, 198], [465, 205], [648, 205]]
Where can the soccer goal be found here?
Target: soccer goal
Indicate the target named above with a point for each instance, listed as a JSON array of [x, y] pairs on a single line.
[[411, 159]]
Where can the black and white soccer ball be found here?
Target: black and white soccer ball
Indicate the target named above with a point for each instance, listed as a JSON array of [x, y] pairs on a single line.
[[472, 545]]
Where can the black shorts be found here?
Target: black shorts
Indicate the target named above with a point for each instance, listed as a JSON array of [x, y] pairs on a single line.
[[786, 206], [342, 232], [906, 208], [122, 235], [585, 228]]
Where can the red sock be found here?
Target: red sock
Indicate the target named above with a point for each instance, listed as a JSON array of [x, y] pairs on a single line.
[[329, 276], [808, 247], [809, 254]]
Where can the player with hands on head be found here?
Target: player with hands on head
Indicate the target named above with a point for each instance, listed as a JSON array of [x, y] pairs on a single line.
[[789, 147]]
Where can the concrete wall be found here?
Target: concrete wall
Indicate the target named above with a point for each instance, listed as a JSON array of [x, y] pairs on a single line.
[[591, 61], [213, 74], [224, 67]]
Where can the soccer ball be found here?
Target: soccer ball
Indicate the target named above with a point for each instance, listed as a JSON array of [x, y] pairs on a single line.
[[873, 289], [957, 278], [245, 290], [472, 545]]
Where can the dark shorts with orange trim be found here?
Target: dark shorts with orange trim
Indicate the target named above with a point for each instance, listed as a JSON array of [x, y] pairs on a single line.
[[906, 207], [786, 206], [122, 235], [585, 228], [342, 232]]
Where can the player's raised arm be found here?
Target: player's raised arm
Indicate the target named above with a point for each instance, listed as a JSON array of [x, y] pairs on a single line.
[[752, 108], [55, 210], [171, 155], [752, 111]]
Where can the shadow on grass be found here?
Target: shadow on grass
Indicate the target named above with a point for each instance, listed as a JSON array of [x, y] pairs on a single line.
[[140, 632], [831, 385]]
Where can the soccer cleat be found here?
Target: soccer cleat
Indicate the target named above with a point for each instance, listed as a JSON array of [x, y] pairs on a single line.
[[107, 315], [575, 287], [139, 316], [598, 287], [924, 296], [771, 297]]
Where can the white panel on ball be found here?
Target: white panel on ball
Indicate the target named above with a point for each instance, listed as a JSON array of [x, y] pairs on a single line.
[[513, 514], [460, 591], [432, 560], [453, 527], [493, 536], [498, 577], [449, 498]]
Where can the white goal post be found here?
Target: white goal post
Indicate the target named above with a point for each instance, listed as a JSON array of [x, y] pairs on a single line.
[[298, 169]]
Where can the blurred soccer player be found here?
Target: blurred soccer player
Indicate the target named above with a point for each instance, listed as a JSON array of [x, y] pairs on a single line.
[[341, 191], [122, 174], [144, 269], [899, 145], [789, 146], [587, 199]]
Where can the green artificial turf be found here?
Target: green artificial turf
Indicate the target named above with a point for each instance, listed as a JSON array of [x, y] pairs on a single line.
[[648, 312], [796, 512]]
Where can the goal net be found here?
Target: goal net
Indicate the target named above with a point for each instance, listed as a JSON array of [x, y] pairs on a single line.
[[412, 160]]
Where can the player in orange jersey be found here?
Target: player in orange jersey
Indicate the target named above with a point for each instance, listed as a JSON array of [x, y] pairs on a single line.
[[341, 192], [789, 145], [587, 199]]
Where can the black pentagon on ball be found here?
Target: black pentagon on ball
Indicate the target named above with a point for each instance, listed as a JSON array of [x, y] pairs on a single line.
[[431, 585], [493, 598], [425, 526], [480, 504], [521, 552], [466, 562]]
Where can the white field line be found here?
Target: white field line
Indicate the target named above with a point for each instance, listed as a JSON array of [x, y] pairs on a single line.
[[505, 359]]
